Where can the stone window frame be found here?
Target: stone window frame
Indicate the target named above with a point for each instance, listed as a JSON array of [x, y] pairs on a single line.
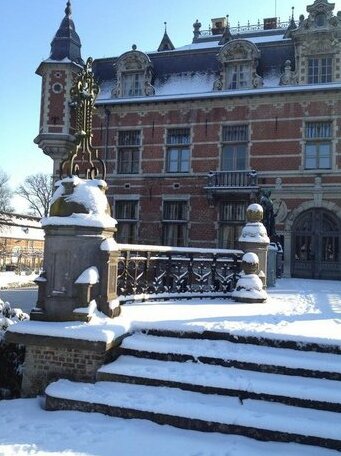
[[180, 225], [134, 63], [315, 137], [180, 143], [130, 143], [236, 53]]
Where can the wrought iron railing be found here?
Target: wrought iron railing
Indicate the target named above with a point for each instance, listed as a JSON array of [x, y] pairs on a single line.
[[233, 179], [163, 271], [249, 28]]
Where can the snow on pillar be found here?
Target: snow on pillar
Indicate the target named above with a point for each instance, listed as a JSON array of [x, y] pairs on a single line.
[[254, 238]]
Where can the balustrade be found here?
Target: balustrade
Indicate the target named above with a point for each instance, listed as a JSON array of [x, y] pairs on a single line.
[[146, 269]]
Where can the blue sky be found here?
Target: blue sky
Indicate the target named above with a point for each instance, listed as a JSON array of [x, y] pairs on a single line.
[[106, 28]]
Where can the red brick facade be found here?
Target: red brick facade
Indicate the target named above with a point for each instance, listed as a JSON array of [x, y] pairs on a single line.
[[172, 158]]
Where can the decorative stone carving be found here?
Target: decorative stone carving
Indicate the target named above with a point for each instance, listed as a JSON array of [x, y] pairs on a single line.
[[289, 77], [317, 36], [134, 62]]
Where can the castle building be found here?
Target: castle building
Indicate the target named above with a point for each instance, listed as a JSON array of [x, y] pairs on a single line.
[[191, 135]]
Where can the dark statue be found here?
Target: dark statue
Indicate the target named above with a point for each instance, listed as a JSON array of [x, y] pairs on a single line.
[[269, 215]]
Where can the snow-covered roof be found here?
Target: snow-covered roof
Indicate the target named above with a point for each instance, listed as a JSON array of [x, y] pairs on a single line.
[[17, 226], [105, 97]]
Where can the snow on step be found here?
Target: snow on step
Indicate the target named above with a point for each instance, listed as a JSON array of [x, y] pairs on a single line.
[[229, 378], [205, 407], [323, 362]]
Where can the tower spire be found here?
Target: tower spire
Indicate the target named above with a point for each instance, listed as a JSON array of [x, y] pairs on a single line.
[[166, 43], [66, 43]]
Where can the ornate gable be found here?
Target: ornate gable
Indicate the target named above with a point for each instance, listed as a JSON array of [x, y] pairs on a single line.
[[239, 60], [318, 43], [134, 68]]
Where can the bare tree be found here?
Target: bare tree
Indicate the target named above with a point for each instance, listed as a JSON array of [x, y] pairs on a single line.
[[37, 190], [5, 193]]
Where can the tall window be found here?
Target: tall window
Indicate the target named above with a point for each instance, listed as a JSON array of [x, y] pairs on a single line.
[[174, 223], [232, 216], [126, 213], [320, 70], [318, 145], [132, 84], [234, 150], [238, 76], [128, 151], [178, 151]]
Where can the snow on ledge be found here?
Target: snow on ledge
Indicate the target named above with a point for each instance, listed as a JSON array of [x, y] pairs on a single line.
[[109, 245], [90, 276]]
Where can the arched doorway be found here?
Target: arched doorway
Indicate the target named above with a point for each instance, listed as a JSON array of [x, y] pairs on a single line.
[[316, 245]]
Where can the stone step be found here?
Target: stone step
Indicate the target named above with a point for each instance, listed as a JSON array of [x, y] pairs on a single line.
[[229, 354], [267, 421], [192, 376], [275, 341]]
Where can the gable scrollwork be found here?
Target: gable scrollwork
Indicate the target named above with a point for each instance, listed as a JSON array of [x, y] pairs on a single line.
[[326, 44], [136, 63], [238, 53]]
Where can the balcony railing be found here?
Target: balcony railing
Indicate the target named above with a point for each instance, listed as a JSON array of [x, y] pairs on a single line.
[[163, 271], [232, 180], [247, 28]]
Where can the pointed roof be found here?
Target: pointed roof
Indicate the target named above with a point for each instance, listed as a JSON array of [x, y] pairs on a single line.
[[66, 43], [166, 43]]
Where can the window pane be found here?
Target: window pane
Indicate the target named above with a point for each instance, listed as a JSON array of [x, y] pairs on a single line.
[[178, 160], [126, 210], [235, 133], [175, 210], [233, 211], [227, 158], [174, 234], [129, 138], [311, 156], [241, 157], [178, 136], [184, 162], [128, 161], [318, 129], [132, 84], [325, 156], [234, 157]]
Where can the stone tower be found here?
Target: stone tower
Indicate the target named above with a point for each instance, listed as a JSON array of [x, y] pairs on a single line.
[[58, 72]]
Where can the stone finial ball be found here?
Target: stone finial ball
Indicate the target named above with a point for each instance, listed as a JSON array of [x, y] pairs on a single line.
[[254, 213]]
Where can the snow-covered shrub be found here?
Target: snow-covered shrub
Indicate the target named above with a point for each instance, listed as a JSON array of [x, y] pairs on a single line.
[[11, 355]]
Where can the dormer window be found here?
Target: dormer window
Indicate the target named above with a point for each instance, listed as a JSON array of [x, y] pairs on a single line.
[[134, 75], [239, 61]]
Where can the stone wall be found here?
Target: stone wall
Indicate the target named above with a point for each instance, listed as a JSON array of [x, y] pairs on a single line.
[[50, 358]]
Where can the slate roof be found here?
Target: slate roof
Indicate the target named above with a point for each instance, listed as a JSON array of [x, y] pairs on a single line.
[[199, 59]]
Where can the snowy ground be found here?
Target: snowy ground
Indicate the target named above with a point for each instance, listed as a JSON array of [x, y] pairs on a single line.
[[296, 309], [302, 310], [26, 429], [11, 279]]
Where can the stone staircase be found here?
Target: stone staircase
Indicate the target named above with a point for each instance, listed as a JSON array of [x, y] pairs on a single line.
[[218, 383]]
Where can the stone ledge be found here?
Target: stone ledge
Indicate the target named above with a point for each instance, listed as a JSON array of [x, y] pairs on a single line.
[[58, 342]]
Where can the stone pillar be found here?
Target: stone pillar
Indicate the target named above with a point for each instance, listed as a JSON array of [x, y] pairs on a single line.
[[254, 238]]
